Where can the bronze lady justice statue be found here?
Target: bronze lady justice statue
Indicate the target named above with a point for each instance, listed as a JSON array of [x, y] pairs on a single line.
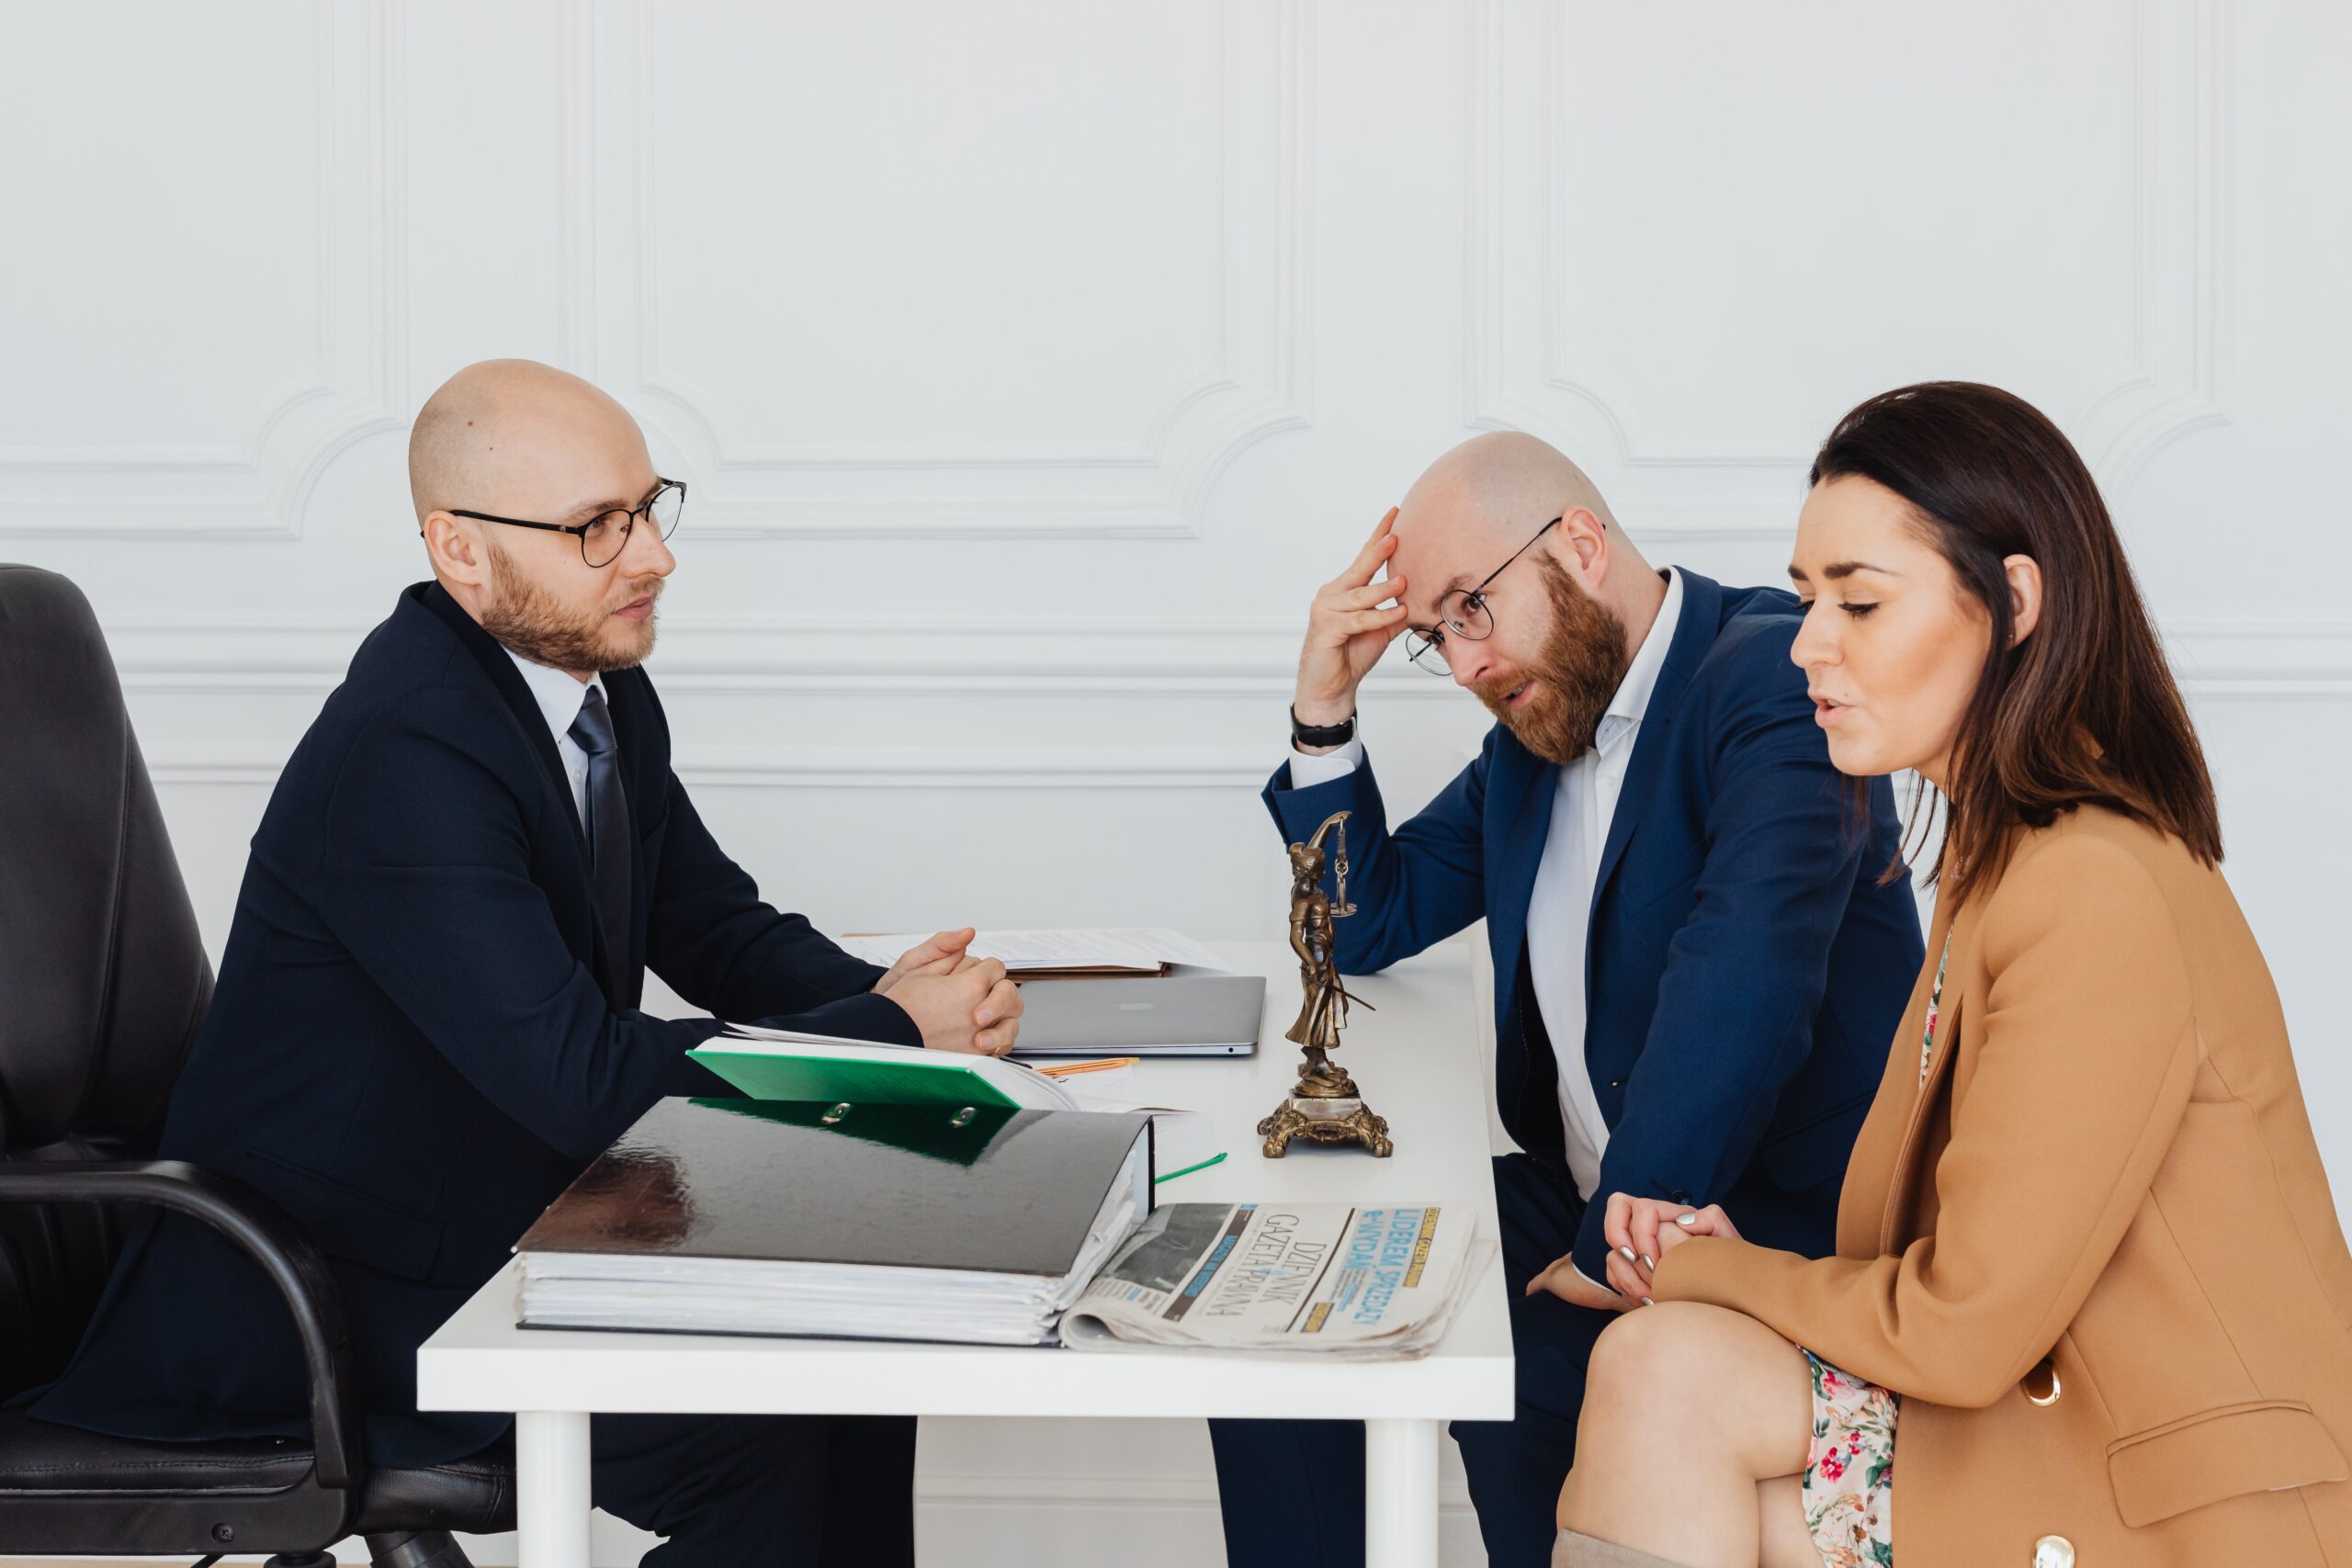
[[1324, 1107]]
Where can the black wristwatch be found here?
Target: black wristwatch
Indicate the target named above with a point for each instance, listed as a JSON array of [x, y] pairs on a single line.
[[1321, 734]]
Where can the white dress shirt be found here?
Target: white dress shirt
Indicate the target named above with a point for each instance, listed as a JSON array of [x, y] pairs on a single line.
[[560, 697], [1583, 801]]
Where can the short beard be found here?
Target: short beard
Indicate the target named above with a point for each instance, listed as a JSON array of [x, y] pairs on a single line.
[[1583, 662], [524, 617]]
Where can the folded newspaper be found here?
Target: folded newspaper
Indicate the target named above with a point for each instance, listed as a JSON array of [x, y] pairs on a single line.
[[1329, 1278]]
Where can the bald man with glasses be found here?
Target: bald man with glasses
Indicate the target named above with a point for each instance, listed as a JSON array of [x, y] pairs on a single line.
[[428, 1018], [1701, 940]]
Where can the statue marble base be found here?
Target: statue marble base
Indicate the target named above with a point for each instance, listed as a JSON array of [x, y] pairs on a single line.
[[1325, 1111]]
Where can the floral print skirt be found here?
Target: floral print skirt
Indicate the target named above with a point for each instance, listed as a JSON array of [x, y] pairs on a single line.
[[1848, 1484]]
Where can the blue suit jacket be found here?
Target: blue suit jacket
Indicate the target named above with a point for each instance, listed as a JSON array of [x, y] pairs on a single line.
[[421, 1034], [1743, 972]]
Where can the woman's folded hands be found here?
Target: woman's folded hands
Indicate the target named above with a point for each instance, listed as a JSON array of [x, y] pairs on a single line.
[[1641, 1231]]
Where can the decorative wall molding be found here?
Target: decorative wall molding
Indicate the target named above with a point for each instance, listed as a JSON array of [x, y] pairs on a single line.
[[355, 384], [915, 659], [2181, 250], [863, 768], [730, 657], [2181, 284], [1256, 380], [2257, 659]]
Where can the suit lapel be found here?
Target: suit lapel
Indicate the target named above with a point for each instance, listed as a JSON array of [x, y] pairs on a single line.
[[493, 657], [486, 652], [1533, 781], [1870, 1171], [1901, 1176], [1694, 634]]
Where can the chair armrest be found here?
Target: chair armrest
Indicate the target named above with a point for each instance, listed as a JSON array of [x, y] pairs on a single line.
[[263, 1232]]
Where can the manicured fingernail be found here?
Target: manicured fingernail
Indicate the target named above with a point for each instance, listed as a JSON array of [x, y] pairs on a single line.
[[1686, 1219], [1647, 1264], [1647, 1303], [1628, 1252]]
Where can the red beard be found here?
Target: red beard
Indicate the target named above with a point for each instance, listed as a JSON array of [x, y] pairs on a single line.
[[1582, 663]]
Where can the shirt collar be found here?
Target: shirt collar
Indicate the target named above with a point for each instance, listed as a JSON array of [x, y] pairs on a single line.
[[559, 695], [1641, 676]]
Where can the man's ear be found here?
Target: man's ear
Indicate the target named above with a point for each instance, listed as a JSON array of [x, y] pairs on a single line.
[[454, 555], [1581, 544]]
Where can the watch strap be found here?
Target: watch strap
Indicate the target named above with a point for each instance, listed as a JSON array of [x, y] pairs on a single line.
[[1321, 734]]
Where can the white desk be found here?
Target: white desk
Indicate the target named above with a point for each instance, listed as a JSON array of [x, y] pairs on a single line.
[[1421, 1065]]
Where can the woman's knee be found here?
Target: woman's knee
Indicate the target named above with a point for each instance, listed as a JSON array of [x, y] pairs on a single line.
[[1656, 1352], [1681, 1368], [1683, 1362]]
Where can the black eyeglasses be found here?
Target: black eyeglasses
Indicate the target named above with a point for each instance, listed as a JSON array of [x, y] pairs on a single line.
[[1465, 611], [604, 536]]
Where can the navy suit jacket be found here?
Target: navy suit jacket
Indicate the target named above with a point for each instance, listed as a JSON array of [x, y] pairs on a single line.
[[421, 1034], [1744, 973]]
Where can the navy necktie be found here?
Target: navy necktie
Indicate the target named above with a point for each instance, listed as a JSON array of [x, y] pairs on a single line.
[[607, 826]]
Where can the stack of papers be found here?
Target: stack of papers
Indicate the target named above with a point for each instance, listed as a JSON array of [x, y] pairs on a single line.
[[1103, 950], [1183, 1141], [842, 1300]]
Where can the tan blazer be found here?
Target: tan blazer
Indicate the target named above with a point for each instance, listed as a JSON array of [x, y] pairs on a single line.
[[2095, 1252]]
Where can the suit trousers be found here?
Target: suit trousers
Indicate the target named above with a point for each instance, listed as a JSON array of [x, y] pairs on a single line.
[[1293, 1491], [741, 1491]]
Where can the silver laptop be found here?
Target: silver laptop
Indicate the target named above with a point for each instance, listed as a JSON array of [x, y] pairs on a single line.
[[1171, 1015]]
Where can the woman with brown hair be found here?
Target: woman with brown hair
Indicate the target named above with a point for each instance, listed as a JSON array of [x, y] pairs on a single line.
[[2088, 1269]]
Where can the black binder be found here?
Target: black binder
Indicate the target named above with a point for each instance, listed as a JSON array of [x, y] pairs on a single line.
[[768, 1216]]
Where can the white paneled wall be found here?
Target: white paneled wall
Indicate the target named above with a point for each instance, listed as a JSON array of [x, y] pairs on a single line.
[[1032, 362]]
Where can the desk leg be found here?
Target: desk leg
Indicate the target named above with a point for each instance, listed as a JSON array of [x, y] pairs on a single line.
[[1400, 1493], [551, 1495]]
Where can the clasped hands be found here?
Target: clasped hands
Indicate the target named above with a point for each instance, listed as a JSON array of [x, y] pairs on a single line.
[[1641, 1231], [960, 1002]]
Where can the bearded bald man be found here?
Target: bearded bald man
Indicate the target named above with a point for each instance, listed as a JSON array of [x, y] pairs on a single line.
[[427, 1020], [1699, 958]]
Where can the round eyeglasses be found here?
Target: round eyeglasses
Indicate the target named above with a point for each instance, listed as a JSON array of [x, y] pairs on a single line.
[[604, 536], [1462, 612]]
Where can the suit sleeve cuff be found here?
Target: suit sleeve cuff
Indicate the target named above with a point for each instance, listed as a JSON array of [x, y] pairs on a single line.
[[1307, 771], [1590, 1254], [864, 1016]]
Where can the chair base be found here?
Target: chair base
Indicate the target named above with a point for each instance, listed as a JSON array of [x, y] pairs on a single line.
[[417, 1549], [402, 1549]]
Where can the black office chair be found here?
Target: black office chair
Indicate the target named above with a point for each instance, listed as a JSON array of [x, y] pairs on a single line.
[[102, 985]]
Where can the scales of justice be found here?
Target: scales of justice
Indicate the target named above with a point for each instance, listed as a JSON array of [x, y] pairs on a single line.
[[1324, 1106]]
